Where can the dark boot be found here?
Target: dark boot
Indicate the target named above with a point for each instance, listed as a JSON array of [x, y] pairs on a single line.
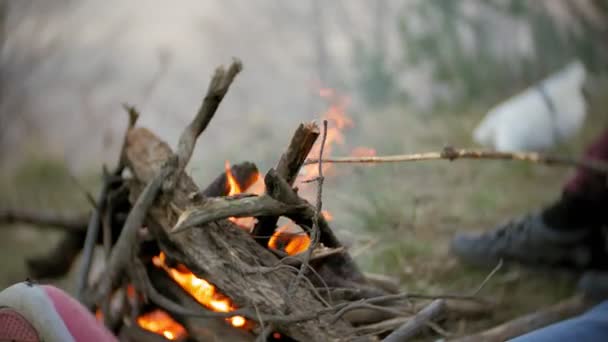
[[527, 240]]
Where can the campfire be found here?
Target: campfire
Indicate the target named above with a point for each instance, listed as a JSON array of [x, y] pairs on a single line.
[[249, 257]]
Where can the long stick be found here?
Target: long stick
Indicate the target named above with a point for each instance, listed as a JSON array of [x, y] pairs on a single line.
[[450, 153]]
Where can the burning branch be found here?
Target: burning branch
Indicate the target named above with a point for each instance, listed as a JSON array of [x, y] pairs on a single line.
[[292, 160], [288, 168], [224, 207], [314, 236], [451, 154]]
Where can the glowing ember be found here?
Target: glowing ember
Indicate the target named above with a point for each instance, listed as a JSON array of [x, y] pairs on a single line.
[[286, 239], [327, 215], [200, 289], [161, 323]]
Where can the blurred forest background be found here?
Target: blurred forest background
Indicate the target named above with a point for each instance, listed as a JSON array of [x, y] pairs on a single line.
[[418, 74]]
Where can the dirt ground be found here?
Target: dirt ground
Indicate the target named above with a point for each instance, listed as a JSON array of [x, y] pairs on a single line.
[[397, 218]]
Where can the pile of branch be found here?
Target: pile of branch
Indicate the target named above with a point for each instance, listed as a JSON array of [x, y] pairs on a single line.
[[318, 295]]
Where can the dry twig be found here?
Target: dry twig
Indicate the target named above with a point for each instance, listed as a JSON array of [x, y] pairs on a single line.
[[218, 87], [418, 322]]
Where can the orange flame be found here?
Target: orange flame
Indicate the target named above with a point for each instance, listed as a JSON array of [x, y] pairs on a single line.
[[161, 323], [200, 289], [337, 122], [233, 186], [285, 239]]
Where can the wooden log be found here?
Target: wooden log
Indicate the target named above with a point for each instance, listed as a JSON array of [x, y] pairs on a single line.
[[536, 320], [224, 254], [245, 173]]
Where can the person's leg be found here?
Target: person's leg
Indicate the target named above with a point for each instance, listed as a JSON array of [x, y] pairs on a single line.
[[591, 326], [565, 234], [32, 313]]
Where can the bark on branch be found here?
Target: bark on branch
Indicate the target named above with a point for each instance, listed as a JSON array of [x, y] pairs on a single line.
[[218, 87], [413, 326], [288, 168], [219, 208]]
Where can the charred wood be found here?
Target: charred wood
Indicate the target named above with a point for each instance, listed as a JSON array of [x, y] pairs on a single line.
[[245, 174]]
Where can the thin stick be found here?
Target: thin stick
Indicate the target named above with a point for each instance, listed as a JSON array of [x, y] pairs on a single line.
[[412, 327], [315, 234], [488, 277], [450, 153]]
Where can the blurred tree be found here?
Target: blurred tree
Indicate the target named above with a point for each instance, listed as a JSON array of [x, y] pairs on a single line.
[[374, 79], [472, 47]]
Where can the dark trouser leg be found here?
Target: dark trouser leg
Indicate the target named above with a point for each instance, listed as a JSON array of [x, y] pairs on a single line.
[[584, 202]]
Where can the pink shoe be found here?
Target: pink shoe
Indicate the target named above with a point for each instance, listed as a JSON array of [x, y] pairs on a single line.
[[35, 313]]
